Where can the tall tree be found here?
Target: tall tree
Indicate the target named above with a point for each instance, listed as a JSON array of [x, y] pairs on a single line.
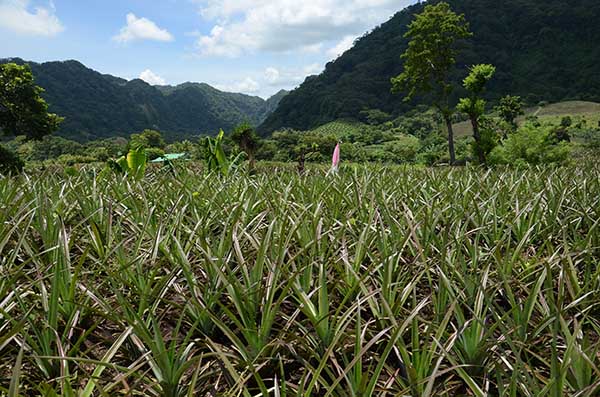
[[430, 58], [22, 109], [474, 105]]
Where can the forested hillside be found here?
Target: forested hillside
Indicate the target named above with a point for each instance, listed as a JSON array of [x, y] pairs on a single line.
[[98, 106], [543, 50]]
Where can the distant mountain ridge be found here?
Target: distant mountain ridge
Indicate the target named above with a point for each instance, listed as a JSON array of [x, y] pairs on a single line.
[[97, 106], [543, 51]]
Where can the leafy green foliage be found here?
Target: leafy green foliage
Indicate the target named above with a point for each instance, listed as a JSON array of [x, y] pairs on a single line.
[[590, 138], [184, 146], [374, 116], [314, 145], [214, 154], [247, 140], [474, 105], [136, 163], [431, 54], [151, 141], [22, 109], [10, 162], [147, 139], [133, 164], [479, 76], [566, 122], [531, 144], [509, 108], [49, 147], [490, 135], [413, 138], [70, 159], [154, 153], [52, 147]]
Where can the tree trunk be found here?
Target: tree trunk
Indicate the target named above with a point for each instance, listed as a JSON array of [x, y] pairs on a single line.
[[251, 161], [477, 137], [448, 120]]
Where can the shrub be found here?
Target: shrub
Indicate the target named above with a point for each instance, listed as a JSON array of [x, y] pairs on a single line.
[[100, 154], [404, 149], [434, 149], [267, 150], [154, 153], [566, 121], [147, 139], [591, 139], [463, 147], [532, 145], [10, 162], [70, 159], [353, 152], [490, 131]]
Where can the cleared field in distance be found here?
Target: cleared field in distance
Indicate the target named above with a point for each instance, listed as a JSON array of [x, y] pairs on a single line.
[[578, 110], [341, 128]]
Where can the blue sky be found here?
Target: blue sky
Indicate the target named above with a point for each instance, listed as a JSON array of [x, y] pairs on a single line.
[[253, 46]]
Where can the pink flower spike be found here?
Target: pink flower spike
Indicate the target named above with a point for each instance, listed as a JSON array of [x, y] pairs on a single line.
[[335, 161]]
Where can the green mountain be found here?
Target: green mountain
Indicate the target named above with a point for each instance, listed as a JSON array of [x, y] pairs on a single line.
[[544, 51], [99, 106]]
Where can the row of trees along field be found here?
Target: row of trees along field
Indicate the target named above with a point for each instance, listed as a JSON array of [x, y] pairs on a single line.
[[415, 137]]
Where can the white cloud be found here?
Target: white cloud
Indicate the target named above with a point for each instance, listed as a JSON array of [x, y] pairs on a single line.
[[344, 45], [212, 9], [272, 75], [312, 48], [244, 26], [246, 86], [151, 78], [286, 78], [269, 81], [217, 44], [16, 16], [141, 29], [314, 68]]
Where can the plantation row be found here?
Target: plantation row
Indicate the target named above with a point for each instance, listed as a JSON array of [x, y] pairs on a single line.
[[377, 282]]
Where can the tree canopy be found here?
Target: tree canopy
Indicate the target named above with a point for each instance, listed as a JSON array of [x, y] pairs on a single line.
[[23, 111], [510, 108], [147, 139], [430, 59], [431, 53], [474, 104], [247, 140]]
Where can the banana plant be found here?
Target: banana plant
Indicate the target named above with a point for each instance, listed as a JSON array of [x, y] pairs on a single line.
[[134, 164], [214, 155]]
